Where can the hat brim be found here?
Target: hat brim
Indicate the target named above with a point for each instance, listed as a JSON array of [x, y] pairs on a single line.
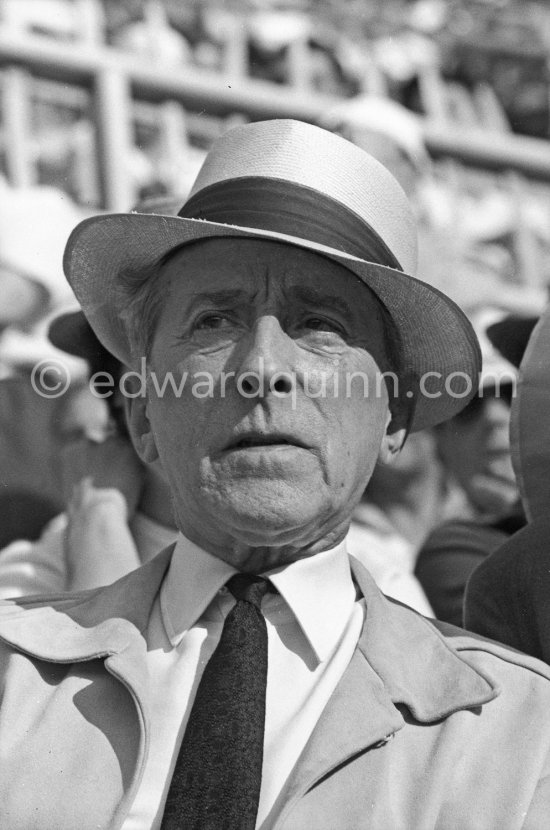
[[437, 340]]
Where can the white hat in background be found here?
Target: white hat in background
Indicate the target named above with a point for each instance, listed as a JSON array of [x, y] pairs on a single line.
[[380, 115], [472, 277], [34, 225], [24, 351], [273, 30]]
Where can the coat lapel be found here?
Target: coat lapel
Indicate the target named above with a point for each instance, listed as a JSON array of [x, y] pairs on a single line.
[[128, 666], [417, 665], [359, 715], [401, 660]]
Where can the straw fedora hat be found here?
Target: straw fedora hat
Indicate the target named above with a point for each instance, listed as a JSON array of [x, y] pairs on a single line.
[[294, 183]]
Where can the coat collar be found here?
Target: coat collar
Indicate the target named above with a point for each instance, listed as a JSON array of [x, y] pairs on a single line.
[[75, 627], [417, 666]]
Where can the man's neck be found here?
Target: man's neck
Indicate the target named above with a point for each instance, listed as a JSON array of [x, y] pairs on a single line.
[[156, 501], [249, 557]]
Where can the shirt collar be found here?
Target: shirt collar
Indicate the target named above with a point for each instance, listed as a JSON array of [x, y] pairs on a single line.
[[318, 589], [191, 583], [432, 668], [320, 592]]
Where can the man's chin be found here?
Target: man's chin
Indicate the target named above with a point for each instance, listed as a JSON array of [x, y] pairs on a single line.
[[266, 516]]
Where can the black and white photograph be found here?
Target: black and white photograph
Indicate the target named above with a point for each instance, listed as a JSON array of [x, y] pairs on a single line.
[[274, 414]]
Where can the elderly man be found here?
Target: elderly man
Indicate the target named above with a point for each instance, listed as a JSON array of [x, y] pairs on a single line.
[[252, 675]]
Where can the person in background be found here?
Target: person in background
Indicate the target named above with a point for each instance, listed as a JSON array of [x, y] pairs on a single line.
[[402, 502], [118, 510], [474, 448], [153, 39], [33, 423], [507, 596], [24, 452]]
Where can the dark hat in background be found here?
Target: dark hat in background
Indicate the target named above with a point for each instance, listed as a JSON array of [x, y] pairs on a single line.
[[72, 333], [511, 335]]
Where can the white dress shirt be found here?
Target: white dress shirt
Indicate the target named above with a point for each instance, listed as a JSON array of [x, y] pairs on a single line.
[[313, 625]]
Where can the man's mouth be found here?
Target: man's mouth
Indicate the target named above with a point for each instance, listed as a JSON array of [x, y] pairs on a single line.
[[260, 440]]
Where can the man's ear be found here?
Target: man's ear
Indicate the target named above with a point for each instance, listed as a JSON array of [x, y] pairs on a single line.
[[139, 428], [392, 442]]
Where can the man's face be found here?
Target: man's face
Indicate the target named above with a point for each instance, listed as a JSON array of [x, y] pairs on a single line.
[[272, 439], [475, 447]]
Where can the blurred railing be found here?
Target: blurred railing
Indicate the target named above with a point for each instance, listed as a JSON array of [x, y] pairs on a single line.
[[105, 89], [105, 113]]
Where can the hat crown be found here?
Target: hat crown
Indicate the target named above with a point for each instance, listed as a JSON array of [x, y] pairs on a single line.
[[302, 154]]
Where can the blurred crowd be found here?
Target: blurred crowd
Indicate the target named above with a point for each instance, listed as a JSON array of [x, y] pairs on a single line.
[[470, 63], [341, 49], [68, 473]]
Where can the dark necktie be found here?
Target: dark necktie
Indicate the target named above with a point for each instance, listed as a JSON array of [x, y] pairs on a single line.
[[218, 772]]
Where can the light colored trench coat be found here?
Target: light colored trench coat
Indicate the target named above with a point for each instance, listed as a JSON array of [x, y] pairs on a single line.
[[427, 728]]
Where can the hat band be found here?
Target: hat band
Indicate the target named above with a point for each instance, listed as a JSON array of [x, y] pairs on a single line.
[[292, 209]]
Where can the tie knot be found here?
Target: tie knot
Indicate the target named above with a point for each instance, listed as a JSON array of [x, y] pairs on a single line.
[[249, 588]]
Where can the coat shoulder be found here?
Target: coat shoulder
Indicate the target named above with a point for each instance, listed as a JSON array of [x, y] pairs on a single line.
[[58, 600], [483, 651]]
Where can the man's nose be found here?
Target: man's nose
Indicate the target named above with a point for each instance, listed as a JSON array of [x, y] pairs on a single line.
[[265, 366]]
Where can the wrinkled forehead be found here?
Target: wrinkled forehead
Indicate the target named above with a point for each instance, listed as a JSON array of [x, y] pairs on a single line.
[[252, 268]]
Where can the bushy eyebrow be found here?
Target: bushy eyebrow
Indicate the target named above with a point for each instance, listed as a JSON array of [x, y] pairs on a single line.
[[311, 296], [229, 296]]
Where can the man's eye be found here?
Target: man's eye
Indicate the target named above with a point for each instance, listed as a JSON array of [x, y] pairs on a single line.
[[213, 321], [322, 324]]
